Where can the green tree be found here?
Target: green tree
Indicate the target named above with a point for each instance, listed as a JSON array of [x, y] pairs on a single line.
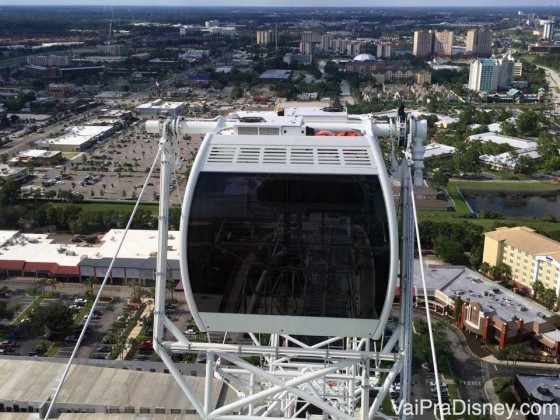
[[484, 267], [515, 352], [5, 311], [52, 283], [527, 122], [449, 250], [549, 298], [54, 320], [503, 354], [439, 179], [136, 291], [9, 192], [508, 128], [236, 93], [42, 283], [538, 288]]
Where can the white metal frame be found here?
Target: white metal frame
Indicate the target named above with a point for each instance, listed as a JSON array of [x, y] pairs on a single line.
[[337, 375]]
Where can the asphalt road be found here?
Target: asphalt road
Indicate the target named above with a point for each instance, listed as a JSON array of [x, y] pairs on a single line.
[[553, 79]]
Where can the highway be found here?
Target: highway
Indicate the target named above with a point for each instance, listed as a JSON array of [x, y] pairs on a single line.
[[553, 79]]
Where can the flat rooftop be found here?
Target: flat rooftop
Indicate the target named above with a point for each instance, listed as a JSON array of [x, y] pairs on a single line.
[[40, 248], [469, 284], [552, 383], [36, 153], [160, 104], [78, 135], [35, 381], [276, 74], [137, 244], [515, 142], [437, 149]]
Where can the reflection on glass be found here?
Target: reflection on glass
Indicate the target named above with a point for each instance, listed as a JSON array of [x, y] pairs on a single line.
[[288, 244]]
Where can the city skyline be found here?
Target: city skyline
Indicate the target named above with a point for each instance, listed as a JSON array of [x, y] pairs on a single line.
[[286, 3]]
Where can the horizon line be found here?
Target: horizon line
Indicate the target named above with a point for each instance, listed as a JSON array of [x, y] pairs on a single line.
[[77, 4]]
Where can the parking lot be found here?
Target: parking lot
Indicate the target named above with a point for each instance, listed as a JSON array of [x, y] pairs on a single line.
[[116, 169], [109, 320]]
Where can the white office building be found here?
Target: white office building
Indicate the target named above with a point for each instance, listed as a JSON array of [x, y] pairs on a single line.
[[548, 29], [491, 74]]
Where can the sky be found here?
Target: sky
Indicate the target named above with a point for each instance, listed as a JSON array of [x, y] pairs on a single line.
[[295, 3]]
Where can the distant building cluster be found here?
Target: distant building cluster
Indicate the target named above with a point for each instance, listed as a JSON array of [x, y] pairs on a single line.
[[312, 43], [387, 71], [266, 37], [433, 43], [441, 43]]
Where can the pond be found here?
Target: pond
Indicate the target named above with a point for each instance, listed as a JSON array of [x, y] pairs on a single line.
[[514, 203]]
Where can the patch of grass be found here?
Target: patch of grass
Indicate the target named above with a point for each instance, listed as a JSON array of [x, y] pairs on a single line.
[[386, 406], [80, 315], [53, 350], [487, 224], [452, 390], [501, 384], [455, 194], [512, 185], [27, 311], [108, 205]]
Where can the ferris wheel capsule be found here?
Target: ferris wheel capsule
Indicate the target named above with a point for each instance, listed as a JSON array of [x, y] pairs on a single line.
[[284, 233]]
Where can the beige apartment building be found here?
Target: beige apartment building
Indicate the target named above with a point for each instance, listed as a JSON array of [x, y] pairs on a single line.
[[428, 43], [531, 256], [423, 42], [443, 43], [479, 42]]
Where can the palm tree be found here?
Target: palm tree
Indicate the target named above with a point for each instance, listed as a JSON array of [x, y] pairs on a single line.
[[515, 352], [505, 272], [538, 288], [90, 282], [42, 283], [52, 283], [170, 286], [503, 354], [136, 291]]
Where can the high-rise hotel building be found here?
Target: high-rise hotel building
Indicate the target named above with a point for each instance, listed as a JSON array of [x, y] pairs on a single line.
[[491, 74]]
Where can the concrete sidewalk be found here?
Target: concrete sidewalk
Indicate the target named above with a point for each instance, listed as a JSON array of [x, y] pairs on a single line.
[[493, 360]]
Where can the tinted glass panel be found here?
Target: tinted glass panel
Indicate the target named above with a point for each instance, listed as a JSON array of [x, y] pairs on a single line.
[[288, 244]]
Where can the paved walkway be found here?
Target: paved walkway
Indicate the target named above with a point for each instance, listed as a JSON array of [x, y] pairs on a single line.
[[492, 359], [135, 332]]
